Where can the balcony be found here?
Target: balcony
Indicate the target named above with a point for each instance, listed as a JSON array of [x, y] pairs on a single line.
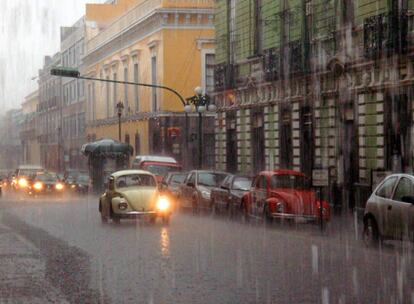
[[385, 35], [224, 77], [271, 64]]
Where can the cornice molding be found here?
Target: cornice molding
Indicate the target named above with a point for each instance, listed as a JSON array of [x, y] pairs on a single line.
[[153, 23]]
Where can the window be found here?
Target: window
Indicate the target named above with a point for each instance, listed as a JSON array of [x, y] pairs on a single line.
[[209, 73], [405, 188], [258, 36], [226, 182], [242, 183], [232, 30], [127, 139], [289, 181], [386, 188], [114, 92], [108, 88], [191, 178], [126, 89], [154, 81], [261, 182], [136, 88]]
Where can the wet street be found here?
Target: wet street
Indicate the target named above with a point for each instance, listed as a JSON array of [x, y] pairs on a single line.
[[200, 259]]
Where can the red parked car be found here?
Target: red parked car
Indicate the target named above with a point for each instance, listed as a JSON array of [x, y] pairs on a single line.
[[284, 194]]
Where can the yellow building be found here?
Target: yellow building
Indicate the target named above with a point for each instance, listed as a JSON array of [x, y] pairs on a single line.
[[163, 42], [28, 138]]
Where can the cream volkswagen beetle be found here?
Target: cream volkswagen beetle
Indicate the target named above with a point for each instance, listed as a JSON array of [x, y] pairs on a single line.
[[132, 194]]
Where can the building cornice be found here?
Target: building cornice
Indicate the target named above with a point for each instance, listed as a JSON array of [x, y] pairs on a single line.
[[151, 24]]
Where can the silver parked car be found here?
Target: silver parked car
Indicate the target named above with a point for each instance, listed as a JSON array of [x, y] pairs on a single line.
[[389, 213]]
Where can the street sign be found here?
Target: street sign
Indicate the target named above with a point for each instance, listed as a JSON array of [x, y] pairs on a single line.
[[320, 177]]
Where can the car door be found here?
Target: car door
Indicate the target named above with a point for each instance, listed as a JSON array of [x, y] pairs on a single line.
[[224, 192], [189, 187], [402, 212], [259, 195], [383, 197]]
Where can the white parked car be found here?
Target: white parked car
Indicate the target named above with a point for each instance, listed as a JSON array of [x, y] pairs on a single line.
[[389, 213]]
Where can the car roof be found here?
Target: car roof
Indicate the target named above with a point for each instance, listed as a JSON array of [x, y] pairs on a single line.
[[282, 172], [129, 172], [155, 158], [30, 167], [209, 171]]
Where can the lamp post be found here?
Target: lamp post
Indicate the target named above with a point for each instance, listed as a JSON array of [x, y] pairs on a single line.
[[120, 107], [201, 103]]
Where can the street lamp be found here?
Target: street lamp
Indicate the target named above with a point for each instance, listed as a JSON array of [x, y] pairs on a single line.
[[120, 107], [201, 103]]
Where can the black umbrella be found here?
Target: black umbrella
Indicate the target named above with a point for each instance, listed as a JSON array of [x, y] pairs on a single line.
[[107, 146]]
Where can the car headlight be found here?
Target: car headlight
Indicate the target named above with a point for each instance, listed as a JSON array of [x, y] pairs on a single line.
[[206, 194], [38, 186], [122, 205], [280, 208], [59, 187], [73, 186], [163, 203], [23, 183]]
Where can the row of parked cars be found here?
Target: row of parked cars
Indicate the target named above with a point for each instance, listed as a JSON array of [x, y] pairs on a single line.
[[278, 194]]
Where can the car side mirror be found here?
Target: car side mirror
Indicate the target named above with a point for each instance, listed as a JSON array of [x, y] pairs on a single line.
[[408, 199], [191, 184], [111, 184]]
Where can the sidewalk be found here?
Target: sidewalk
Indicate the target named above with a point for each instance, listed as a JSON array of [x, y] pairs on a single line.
[[22, 272]]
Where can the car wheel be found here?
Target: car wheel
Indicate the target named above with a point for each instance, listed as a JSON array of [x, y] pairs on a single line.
[[195, 205], [268, 219], [104, 218], [214, 210], [244, 213], [371, 233]]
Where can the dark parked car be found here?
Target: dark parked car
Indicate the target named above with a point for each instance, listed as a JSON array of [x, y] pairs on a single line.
[[195, 192], [228, 197], [171, 185]]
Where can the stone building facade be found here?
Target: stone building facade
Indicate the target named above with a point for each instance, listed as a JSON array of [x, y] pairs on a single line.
[[305, 84], [49, 115], [160, 42], [73, 48]]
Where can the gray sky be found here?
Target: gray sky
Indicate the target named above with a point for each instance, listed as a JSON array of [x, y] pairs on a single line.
[[29, 30]]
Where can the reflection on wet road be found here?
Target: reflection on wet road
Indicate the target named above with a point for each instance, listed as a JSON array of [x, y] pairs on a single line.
[[201, 259]]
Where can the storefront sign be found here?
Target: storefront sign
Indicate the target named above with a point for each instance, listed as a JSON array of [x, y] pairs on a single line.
[[320, 177]]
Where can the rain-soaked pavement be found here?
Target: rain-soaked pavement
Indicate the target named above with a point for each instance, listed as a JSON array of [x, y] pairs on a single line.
[[200, 259]]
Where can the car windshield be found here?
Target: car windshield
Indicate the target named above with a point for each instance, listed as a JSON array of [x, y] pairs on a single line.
[[83, 178], [47, 177], [177, 179], [210, 179], [242, 183], [289, 181], [135, 180], [26, 172], [160, 170]]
